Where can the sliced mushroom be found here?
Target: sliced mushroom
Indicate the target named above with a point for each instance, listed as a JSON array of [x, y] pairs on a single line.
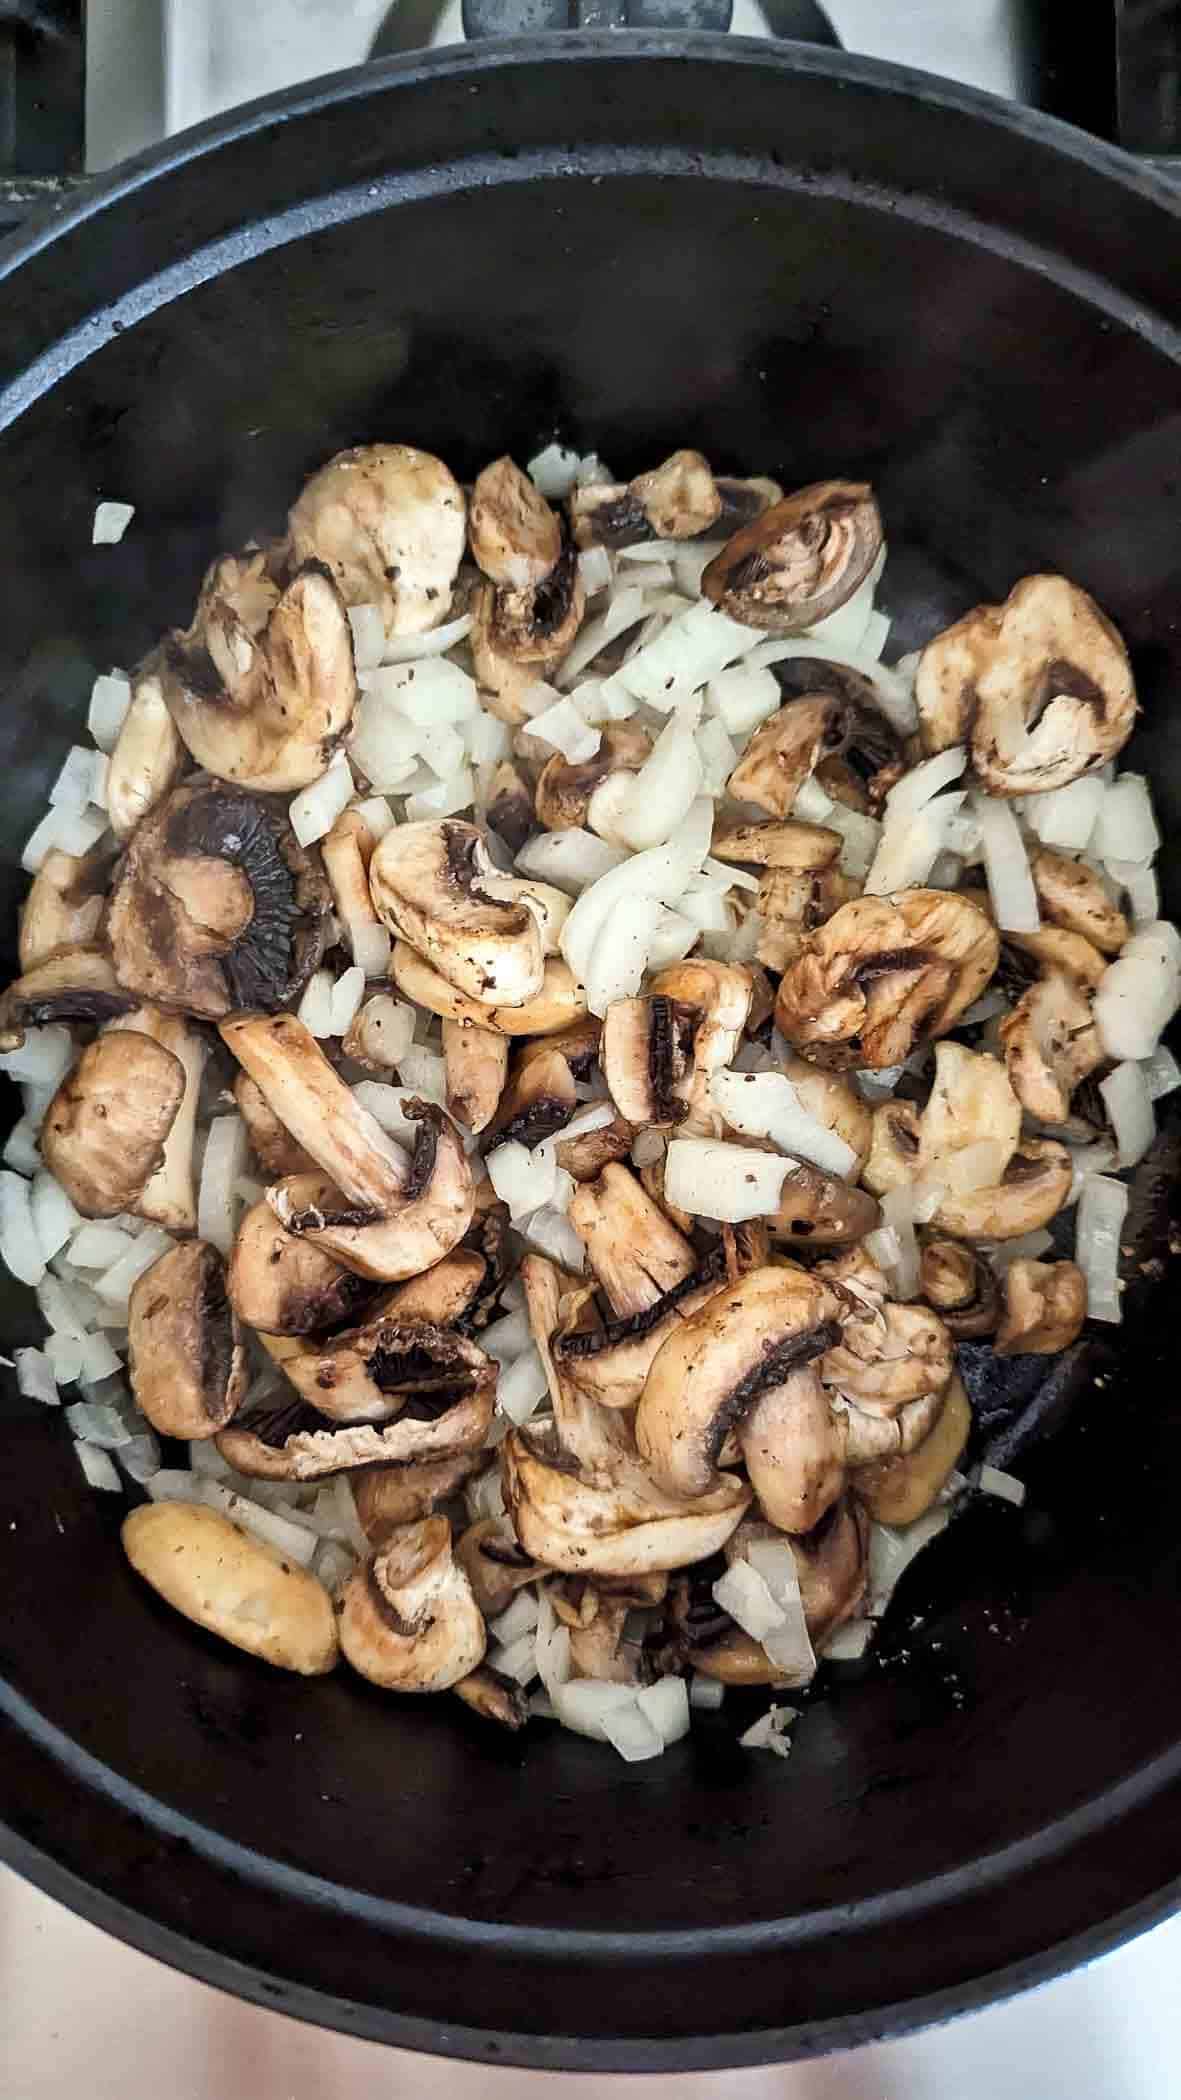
[[961, 1287], [435, 1209], [106, 1127], [216, 906], [888, 1357], [884, 974], [64, 907], [508, 805], [792, 1450], [598, 1647], [263, 707], [560, 1002], [388, 522], [1040, 688], [76, 984], [185, 1352], [680, 499], [276, 1150], [800, 560], [1050, 1043], [1031, 1191], [564, 788], [434, 885], [713, 1368], [494, 1698], [514, 535], [284, 1438], [795, 847], [386, 1496], [347, 851], [506, 684], [408, 1620], [283, 1285], [634, 1250], [1045, 1306], [1053, 948], [476, 1065], [792, 906], [169, 1198], [785, 751], [495, 1565], [542, 1091], [607, 1517], [149, 754], [866, 757], [1072, 896], [610, 1363], [531, 627], [583, 1157], [719, 995], [647, 1058], [233, 1585], [867, 1438], [821, 1209], [322, 1114], [392, 1365], [900, 1490]]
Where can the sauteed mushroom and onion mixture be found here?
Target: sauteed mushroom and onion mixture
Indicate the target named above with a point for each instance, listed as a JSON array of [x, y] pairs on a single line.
[[539, 1050]]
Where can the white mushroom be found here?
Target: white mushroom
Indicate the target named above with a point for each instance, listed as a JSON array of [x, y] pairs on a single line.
[[185, 1351], [515, 537], [1045, 1306], [148, 758], [487, 934], [884, 974], [800, 560], [388, 522], [1050, 1043], [408, 1620], [106, 1127]]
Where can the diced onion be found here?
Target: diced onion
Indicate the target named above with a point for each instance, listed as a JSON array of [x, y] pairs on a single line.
[[1006, 864], [488, 741], [521, 1617], [1162, 1073], [371, 946], [923, 782], [446, 799], [1126, 829], [583, 1702], [1138, 880], [629, 1730], [522, 1387], [741, 698], [42, 1059], [553, 1235], [368, 628], [313, 812], [666, 1705], [1102, 1208], [691, 649], [111, 521], [571, 860], [315, 1008], [891, 1550], [626, 609], [515, 1659], [20, 1247], [766, 1105], [54, 1216], [382, 742], [562, 726], [34, 1377], [110, 698], [770, 1731], [727, 1182], [660, 873], [413, 648], [1139, 992], [849, 1642], [1066, 817], [893, 689], [662, 793], [103, 1426], [743, 1593], [522, 1178], [552, 1640], [1005, 1486], [226, 1151], [98, 1468], [347, 994], [554, 471], [20, 1150], [1129, 1110], [594, 567]]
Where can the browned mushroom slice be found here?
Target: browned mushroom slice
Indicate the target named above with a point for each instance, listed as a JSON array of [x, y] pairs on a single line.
[[673, 501], [1050, 1043], [105, 1129], [476, 1064], [493, 1697], [800, 560], [389, 1495], [185, 1353], [149, 755], [605, 1516], [719, 995], [961, 1286], [388, 522], [1032, 1189], [865, 753], [77, 984], [647, 1058], [583, 1157], [1052, 948], [885, 973], [283, 1285], [785, 750], [1039, 687], [216, 906], [542, 1092], [609, 1363], [408, 1620], [391, 1365], [65, 905], [495, 1564], [565, 787], [901, 1489], [868, 1438], [285, 1438], [1073, 897], [287, 1064], [793, 1451], [431, 1217], [821, 1209], [433, 884], [509, 806], [559, 1004], [514, 535], [347, 851], [263, 706], [169, 1198], [506, 684], [1045, 1306], [635, 1252], [274, 1147], [792, 905], [888, 1357], [799, 848], [712, 1369], [534, 626]]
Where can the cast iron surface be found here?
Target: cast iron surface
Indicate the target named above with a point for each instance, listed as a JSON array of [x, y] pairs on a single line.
[[634, 245]]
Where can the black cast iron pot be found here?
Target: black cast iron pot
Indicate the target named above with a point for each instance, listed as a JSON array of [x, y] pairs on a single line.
[[803, 264]]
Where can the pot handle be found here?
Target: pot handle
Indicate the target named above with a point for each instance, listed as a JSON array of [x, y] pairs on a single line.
[[798, 19]]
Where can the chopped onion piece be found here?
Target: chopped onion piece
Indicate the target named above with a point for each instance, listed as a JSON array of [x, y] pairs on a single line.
[[1126, 829], [898, 1218], [630, 1731], [54, 1216], [1030, 1246], [72, 788], [1129, 1109], [766, 1105], [347, 994], [110, 698], [619, 957], [371, 946], [859, 836], [694, 646], [674, 934], [315, 1008], [522, 1387], [34, 1377], [488, 741], [1162, 1073], [103, 1426], [552, 1640], [552, 1234], [923, 782], [727, 1182], [73, 831], [1006, 864], [387, 1105], [98, 1468], [384, 744], [522, 1178], [429, 695], [111, 521], [743, 1593], [314, 811], [666, 1705], [446, 799], [521, 1617], [626, 609], [770, 1731], [571, 860], [1102, 1208], [114, 1286], [556, 470], [718, 758], [894, 689], [562, 726], [584, 1702], [43, 1059], [385, 1029], [368, 635], [891, 1550], [706, 1694], [1139, 992], [20, 1246], [20, 1150], [741, 698], [812, 805], [226, 1151], [1066, 817], [1005, 1486], [661, 874], [849, 1642], [515, 1659], [1138, 880], [660, 796], [413, 648], [594, 567]]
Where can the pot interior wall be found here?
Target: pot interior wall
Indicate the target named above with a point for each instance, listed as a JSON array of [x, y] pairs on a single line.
[[688, 286]]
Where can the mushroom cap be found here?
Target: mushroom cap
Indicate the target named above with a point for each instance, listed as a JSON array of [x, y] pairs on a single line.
[[493, 1697], [1032, 1189], [1055, 948], [76, 984], [820, 1209], [531, 627], [514, 536], [495, 1564], [388, 522], [476, 1064], [610, 1363], [800, 560], [233, 1585], [436, 1210], [408, 1620], [149, 754], [430, 887], [287, 1439], [647, 1058], [609, 1520], [389, 1366], [886, 973], [185, 1352], [284, 1285], [961, 1286], [106, 1127], [1040, 687], [867, 1438], [1050, 1043], [390, 1495], [721, 993], [264, 708], [560, 1002], [1045, 1306], [322, 1114], [712, 1369], [793, 1451], [1072, 896], [216, 906]]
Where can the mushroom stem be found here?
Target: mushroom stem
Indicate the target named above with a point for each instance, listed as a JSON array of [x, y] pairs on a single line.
[[321, 1112]]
